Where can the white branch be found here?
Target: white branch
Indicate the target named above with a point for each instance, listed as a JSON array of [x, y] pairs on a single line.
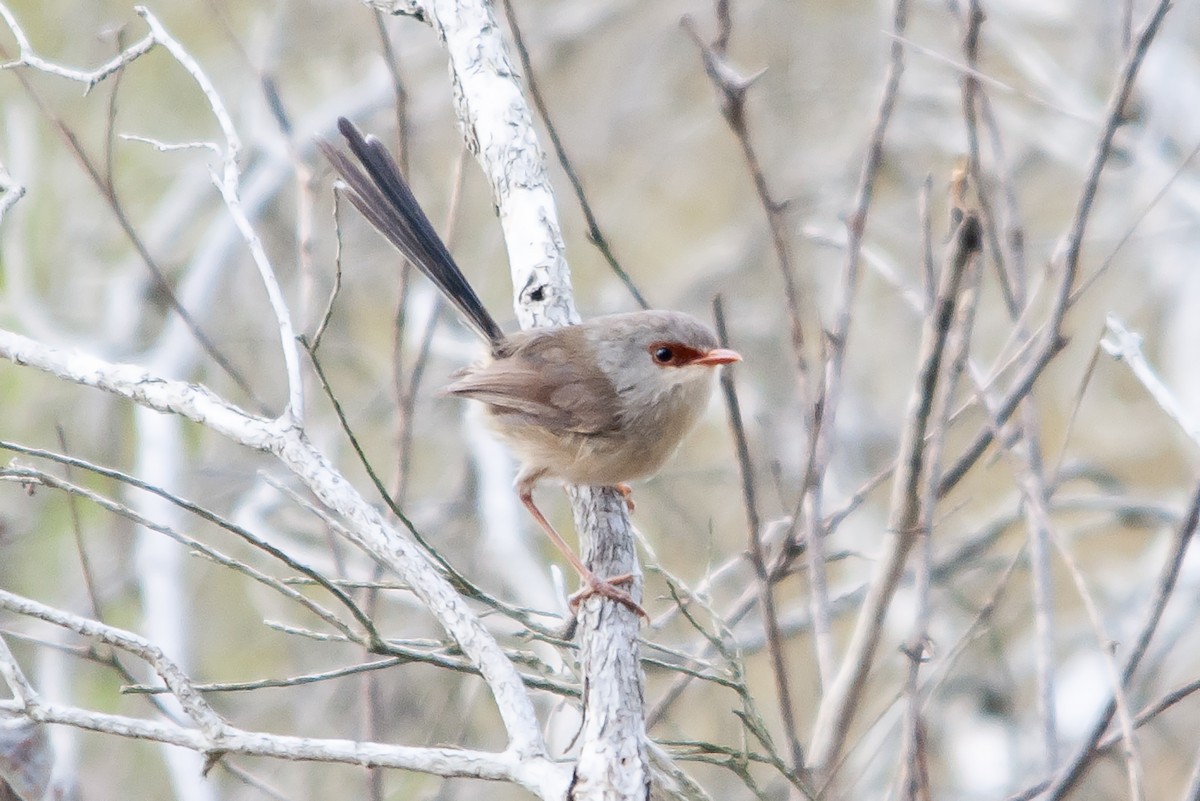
[[536, 773], [10, 192], [1123, 344], [229, 182], [365, 526], [229, 185], [28, 58], [498, 127], [539, 775]]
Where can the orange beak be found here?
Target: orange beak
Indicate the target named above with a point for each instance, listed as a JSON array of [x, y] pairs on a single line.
[[718, 356]]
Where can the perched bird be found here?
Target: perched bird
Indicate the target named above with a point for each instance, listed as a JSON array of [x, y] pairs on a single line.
[[600, 403]]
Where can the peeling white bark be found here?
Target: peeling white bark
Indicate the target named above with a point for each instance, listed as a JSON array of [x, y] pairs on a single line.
[[497, 125]]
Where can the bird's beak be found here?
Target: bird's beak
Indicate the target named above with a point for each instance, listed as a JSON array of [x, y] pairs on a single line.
[[718, 356]]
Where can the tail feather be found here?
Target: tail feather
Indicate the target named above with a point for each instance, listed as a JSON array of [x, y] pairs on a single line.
[[380, 193]]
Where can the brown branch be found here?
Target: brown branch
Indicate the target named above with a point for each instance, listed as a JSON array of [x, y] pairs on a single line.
[[757, 554], [1067, 258], [841, 701], [1066, 779], [914, 756], [732, 87], [971, 98]]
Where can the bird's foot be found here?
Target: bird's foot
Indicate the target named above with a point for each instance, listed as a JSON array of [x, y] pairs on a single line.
[[606, 588], [626, 493]]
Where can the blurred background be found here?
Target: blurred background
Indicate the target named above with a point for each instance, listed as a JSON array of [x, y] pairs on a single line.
[[626, 88]]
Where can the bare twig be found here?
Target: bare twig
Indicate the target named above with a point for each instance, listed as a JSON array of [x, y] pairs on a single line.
[[199, 511], [1107, 644], [971, 97], [756, 553], [91, 79], [915, 756], [1126, 346], [841, 701], [1069, 776], [732, 87], [595, 235]]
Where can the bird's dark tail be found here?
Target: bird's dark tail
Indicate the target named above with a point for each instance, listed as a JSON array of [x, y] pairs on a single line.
[[379, 191]]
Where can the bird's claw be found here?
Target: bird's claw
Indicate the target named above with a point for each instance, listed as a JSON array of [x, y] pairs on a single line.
[[626, 493], [606, 588]]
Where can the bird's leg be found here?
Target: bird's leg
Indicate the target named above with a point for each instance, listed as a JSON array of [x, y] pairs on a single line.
[[626, 493], [592, 584]]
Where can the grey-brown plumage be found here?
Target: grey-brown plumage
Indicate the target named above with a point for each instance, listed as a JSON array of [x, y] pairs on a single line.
[[601, 403]]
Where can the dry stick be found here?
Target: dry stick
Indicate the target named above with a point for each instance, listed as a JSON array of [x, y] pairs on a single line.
[[392, 62], [756, 553], [914, 760], [1183, 166], [161, 284], [971, 91], [1032, 480], [1035, 492], [825, 400], [1014, 228], [594, 234], [1030, 476], [913, 757], [1107, 645], [1068, 252], [336, 289], [209, 516], [404, 392], [1126, 25], [1066, 779], [1069, 248], [842, 699], [808, 513], [732, 87], [928, 269]]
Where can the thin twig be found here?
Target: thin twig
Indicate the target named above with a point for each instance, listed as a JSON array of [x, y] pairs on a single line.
[[843, 696], [1070, 775], [1107, 645], [91, 79], [594, 234], [732, 87], [204, 514], [755, 551]]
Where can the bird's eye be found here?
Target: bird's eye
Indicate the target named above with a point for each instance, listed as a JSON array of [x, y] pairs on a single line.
[[663, 355]]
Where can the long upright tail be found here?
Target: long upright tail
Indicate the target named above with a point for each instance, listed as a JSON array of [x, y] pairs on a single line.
[[379, 191]]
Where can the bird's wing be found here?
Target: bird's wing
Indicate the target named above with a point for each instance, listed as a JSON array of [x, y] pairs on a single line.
[[542, 380]]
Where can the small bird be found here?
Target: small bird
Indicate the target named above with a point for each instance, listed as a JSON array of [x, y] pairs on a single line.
[[601, 403]]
